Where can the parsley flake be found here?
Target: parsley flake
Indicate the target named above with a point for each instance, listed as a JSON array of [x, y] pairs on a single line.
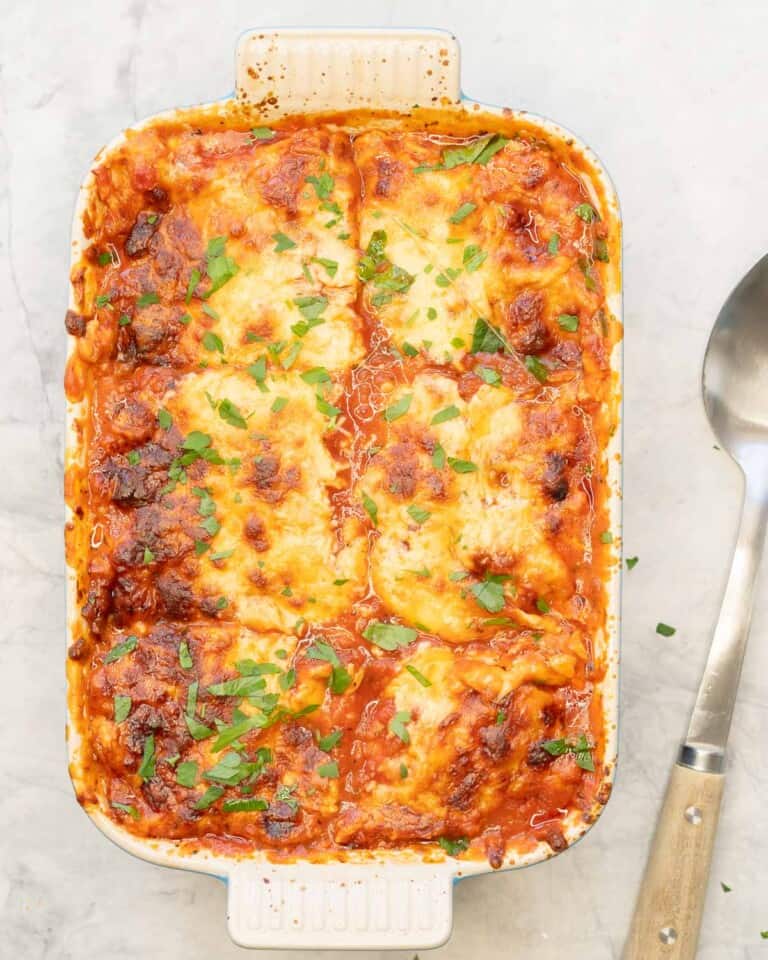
[[462, 213], [121, 649], [447, 413], [418, 675], [535, 367], [398, 409], [282, 242], [122, 707], [147, 298], [389, 636]]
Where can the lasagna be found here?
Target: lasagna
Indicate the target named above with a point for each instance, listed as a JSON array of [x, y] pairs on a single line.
[[342, 397]]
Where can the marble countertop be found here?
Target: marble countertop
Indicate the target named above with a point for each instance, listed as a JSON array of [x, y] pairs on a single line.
[[672, 96]]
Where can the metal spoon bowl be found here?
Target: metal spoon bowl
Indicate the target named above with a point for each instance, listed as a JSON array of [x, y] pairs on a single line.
[[735, 375]]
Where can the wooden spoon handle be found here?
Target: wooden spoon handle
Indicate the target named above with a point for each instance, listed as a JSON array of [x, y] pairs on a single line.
[[667, 917]]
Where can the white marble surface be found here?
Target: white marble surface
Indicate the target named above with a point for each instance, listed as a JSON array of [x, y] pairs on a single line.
[[672, 95]]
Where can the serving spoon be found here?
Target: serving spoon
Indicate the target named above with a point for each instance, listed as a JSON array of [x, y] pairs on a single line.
[[735, 388]]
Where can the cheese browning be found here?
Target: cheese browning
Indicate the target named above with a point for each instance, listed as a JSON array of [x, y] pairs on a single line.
[[339, 510]]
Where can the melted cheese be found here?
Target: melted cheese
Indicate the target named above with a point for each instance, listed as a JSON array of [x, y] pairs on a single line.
[[337, 506], [421, 569], [281, 487]]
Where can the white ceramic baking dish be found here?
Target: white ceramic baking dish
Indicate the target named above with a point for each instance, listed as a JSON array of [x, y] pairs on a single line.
[[382, 899]]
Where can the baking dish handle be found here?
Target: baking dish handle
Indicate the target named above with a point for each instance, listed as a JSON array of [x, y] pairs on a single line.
[[299, 71], [340, 906]]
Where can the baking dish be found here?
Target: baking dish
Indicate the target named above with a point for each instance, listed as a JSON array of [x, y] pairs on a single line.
[[386, 899]]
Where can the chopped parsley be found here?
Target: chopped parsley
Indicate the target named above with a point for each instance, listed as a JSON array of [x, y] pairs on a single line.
[[454, 847], [446, 277], [327, 409], [418, 675], [197, 730], [568, 321], [148, 761], [329, 741], [121, 649], [535, 367], [219, 266], [489, 375], [554, 244], [542, 606], [185, 657], [244, 804], [665, 630], [601, 250], [126, 808], [146, 299], [485, 338], [311, 307], [186, 774], [194, 279], [222, 554], [122, 707], [489, 592], [103, 299], [210, 796], [262, 133], [316, 375], [164, 419], [279, 404], [290, 358], [230, 413], [258, 370], [581, 749], [399, 408], [370, 508], [461, 466], [606, 537], [418, 514], [375, 267], [462, 213], [447, 413], [397, 725], [586, 212], [478, 151], [340, 678], [586, 269], [389, 636], [473, 258], [282, 242], [329, 770], [323, 185], [213, 342], [331, 266], [632, 562], [232, 769]]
